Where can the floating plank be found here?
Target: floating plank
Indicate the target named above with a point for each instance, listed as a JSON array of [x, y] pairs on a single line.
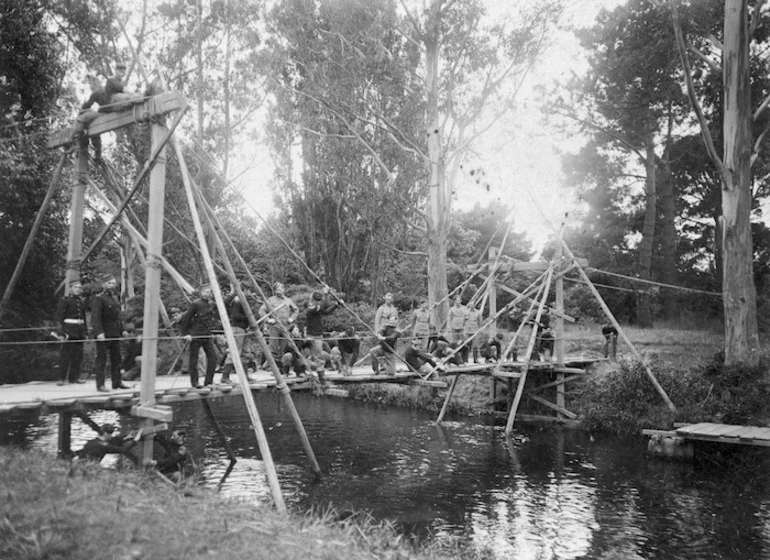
[[507, 374], [156, 106]]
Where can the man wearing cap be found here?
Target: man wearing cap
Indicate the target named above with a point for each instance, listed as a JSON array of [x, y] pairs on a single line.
[[71, 316], [282, 313], [108, 329], [386, 315], [318, 306], [456, 321], [196, 324]]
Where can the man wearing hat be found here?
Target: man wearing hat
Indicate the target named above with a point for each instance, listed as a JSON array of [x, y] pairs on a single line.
[[282, 313], [71, 316], [318, 306], [108, 329], [196, 324], [386, 315]]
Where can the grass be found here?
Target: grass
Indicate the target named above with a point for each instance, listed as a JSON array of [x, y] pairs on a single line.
[[51, 509]]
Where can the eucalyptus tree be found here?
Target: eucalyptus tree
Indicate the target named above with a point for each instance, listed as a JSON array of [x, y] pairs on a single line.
[[742, 141], [473, 65], [450, 70]]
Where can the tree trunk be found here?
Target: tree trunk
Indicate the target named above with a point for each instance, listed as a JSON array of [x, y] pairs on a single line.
[[226, 148], [440, 200], [199, 58], [740, 298], [644, 300], [667, 263]]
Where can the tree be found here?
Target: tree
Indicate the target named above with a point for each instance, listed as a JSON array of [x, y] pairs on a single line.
[[473, 70], [739, 292], [341, 82]]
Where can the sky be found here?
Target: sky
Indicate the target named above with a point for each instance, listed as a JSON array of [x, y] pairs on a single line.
[[520, 155]]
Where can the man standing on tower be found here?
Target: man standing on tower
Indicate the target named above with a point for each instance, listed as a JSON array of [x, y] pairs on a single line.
[[108, 329]]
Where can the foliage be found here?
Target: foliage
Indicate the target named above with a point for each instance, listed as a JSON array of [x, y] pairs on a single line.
[[581, 304], [341, 75], [30, 83]]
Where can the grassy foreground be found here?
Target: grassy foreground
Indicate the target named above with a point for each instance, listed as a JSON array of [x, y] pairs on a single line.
[[51, 509]]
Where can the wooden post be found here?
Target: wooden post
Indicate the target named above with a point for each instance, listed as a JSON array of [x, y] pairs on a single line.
[[152, 280], [32, 234], [448, 398], [492, 296], [64, 442], [75, 246], [248, 397], [559, 328], [530, 347]]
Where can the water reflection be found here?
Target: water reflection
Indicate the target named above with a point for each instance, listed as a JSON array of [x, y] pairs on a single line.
[[543, 494]]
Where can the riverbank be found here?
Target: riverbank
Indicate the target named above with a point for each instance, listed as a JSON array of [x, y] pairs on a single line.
[[618, 397], [54, 509]]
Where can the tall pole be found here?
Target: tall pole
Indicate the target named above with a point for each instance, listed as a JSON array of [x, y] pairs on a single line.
[[251, 406], [559, 327], [152, 279], [492, 295], [280, 383]]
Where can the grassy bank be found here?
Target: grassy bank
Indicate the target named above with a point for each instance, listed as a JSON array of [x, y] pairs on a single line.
[[51, 509]]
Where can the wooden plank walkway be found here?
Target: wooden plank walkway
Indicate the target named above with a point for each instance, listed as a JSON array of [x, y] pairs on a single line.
[[719, 433], [176, 388]]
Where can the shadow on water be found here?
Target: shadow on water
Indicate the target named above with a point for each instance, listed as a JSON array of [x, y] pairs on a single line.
[[547, 493]]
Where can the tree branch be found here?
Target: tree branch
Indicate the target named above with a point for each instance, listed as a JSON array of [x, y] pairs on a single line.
[[705, 132], [711, 64]]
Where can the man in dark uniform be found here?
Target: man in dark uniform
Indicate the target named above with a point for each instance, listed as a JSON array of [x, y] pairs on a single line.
[[108, 329], [196, 324], [95, 449], [418, 359], [71, 316]]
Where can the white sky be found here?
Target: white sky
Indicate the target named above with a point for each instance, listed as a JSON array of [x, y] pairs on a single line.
[[520, 155]]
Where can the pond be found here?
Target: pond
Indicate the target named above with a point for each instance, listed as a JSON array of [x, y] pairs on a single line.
[[546, 493]]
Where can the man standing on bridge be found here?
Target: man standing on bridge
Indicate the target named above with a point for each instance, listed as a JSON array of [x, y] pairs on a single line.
[[108, 329], [71, 315], [196, 324], [282, 313]]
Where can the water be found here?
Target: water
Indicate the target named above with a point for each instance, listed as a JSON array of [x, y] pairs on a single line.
[[545, 494]]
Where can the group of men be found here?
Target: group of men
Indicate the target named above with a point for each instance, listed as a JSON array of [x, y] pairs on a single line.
[[108, 330]]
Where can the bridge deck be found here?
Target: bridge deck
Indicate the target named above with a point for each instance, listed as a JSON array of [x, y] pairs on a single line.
[[176, 388]]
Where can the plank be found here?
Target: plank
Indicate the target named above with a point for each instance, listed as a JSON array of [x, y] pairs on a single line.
[[156, 106], [557, 408]]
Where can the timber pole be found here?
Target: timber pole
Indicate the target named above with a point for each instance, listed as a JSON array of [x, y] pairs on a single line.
[[615, 323], [280, 383], [528, 356], [559, 328], [32, 234], [152, 277], [248, 397]]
